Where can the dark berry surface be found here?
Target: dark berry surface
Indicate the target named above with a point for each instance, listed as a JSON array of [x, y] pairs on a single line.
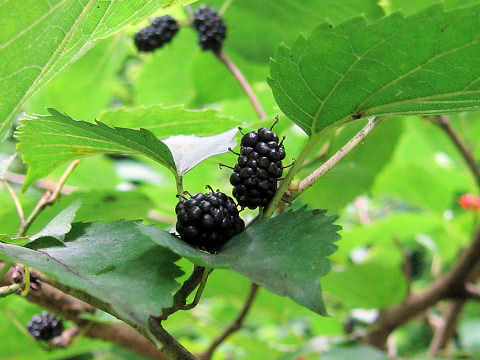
[[45, 326], [211, 28], [207, 221], [258, 168], [159, 33]]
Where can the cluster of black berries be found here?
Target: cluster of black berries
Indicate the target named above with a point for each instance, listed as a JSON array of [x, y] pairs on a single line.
[[159, 33], [209, 24], [45, 326], [207, 221], [211, 28], [258, 169]]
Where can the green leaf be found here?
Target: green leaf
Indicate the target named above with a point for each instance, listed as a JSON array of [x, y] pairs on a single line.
[[86, 87], [281, 20], [60, 224], [368, 286], [269, 256], [355, 174], [423, 64], [15, 241], [38, 38], [48, 141], [355, 352], [189, 150], [168, 121], [112, 262]]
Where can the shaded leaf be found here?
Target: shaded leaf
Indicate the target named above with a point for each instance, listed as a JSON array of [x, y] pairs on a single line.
[[285, 261], [60, 224], [368, 286], [112, 262], [189, 150], [48, 141], [281, 20], [423, 64]]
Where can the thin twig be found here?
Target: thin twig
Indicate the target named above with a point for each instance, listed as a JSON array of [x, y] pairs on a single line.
[[444, 333], [66, 338], [16, 200], [41, 184], [234, 326], [243, 82], [225, 7], [335, 159], [47, 199], [446, 124], [9, 289]]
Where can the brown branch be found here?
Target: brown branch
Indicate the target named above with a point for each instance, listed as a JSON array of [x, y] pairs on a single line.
[[445, 124], [449, 285], [443, 334], [66, 338], [242, 80], [472, 291], [170, 346], [234, 326], [41, 184], [71, 308]]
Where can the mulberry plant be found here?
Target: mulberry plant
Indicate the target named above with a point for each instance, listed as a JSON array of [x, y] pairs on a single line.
[[211, 28], [45, 326], [259, 167], [160, 32], [208, 221]]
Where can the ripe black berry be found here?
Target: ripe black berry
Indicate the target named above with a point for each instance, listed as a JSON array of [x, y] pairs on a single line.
[[45, 326], [258, 168], [210, 27], [159, 33], [207, 221]]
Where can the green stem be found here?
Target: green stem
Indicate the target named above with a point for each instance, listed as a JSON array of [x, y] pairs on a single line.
[[291, 174], [199, 292], [27, 281], [180, 185], [7, 266]]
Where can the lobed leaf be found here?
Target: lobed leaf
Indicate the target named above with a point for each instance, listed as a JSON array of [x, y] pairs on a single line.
[[165, 121], [48, 141], [38, 38], [423, 64], [287, 254]]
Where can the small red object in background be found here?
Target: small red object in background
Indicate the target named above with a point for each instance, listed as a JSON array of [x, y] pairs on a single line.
[[301, 358], [470, 202]]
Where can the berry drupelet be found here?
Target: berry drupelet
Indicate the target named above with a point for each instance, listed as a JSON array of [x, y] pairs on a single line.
[[45, 326], [258, 168], [160, 32], [207, 221], [211, 28]]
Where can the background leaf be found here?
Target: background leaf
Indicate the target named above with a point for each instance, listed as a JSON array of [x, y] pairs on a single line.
[[48, 141], [423, 64], [168, 121], [113, 262], [49, 35]]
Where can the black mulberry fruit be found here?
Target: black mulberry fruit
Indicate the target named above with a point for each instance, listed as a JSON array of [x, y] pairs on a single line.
[[160, 32], [45, 326], [258, 168], [207, 221], [210, 27]]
